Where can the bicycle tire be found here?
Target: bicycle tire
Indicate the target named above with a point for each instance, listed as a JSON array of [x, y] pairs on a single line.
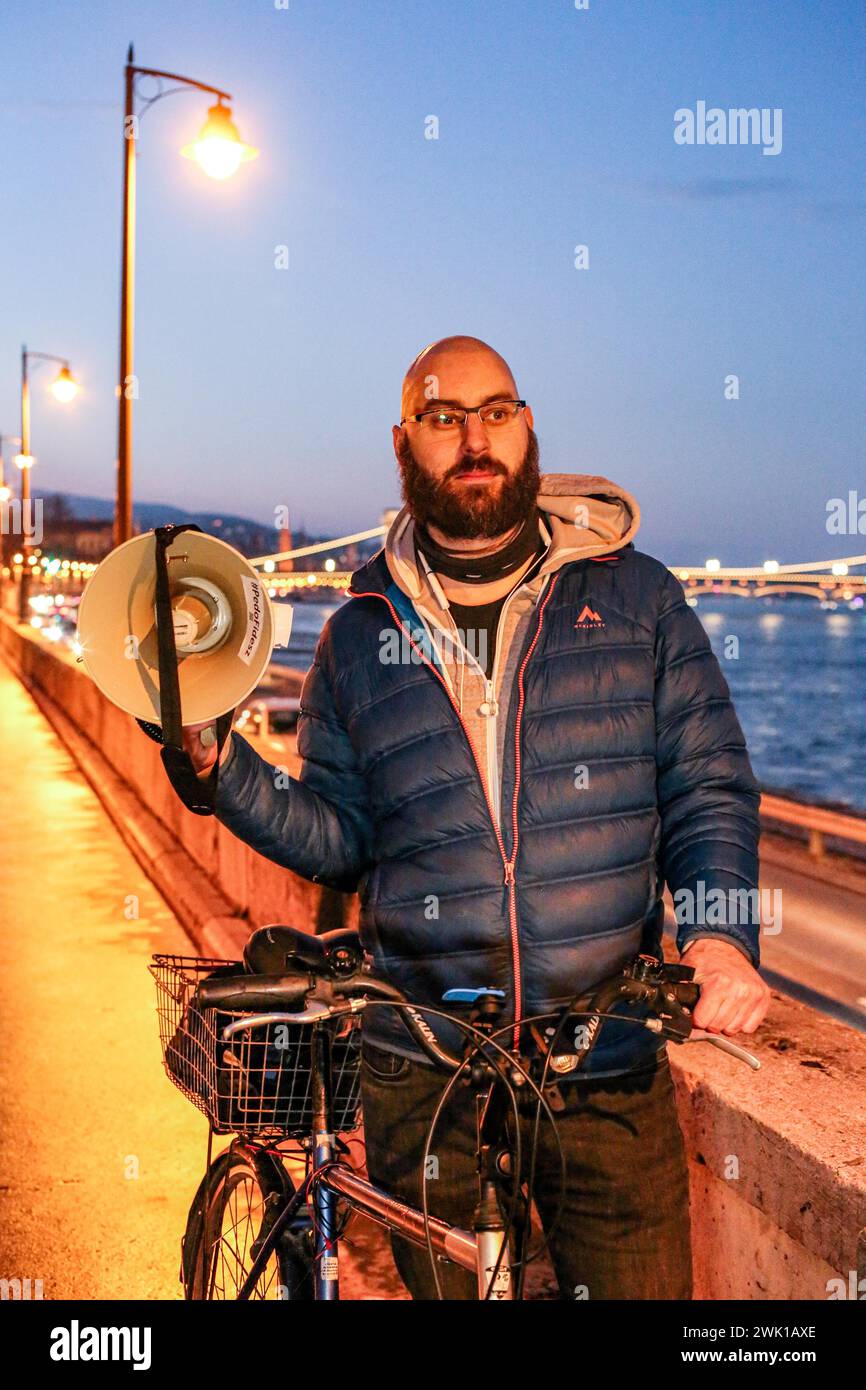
[[240, 1190]]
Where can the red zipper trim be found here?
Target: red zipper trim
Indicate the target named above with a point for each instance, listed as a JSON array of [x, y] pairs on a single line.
[[507, 864], [515, 831]]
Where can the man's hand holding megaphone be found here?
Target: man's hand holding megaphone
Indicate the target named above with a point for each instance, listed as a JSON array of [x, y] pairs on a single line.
[[217, 632], [199, 740]]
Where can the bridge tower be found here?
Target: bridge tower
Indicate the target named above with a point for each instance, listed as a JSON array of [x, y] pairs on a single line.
[[285, 543]]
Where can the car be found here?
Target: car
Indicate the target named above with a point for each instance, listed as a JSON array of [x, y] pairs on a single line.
[[272, 719]]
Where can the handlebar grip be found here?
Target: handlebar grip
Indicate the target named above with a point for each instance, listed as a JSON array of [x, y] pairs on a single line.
[[254, 992]]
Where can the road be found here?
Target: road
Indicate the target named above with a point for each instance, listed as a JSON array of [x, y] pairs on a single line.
[[822, 943]]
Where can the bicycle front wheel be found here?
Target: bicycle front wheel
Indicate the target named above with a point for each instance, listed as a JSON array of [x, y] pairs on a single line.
[[236, 1204]]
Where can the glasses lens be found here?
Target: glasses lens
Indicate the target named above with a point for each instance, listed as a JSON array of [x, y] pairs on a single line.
[[498, 413], [444, 420]]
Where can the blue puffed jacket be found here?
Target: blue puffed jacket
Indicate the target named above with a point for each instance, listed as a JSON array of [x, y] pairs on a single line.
[[544, 890]]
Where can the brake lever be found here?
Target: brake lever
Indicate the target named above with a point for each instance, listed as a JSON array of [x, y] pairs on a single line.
[[701, 1035]]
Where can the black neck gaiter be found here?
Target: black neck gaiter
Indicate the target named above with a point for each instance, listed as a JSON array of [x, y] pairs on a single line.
[[480, 568]]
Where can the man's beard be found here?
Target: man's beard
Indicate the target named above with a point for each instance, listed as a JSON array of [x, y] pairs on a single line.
[[467, 511]]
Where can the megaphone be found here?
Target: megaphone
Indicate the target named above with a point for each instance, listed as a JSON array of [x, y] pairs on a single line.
[[224, 625]]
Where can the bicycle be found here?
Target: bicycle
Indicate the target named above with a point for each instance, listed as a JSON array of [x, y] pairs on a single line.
[[274, 1058]]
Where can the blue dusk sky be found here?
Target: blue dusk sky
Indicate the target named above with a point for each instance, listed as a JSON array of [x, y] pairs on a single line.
[[262, 386]]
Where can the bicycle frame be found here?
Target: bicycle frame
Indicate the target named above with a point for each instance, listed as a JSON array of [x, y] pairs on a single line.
[[477, 1251]]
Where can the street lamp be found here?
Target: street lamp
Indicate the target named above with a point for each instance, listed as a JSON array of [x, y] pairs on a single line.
[[5, 490], [5, 498], [64, 388], [219, 151]]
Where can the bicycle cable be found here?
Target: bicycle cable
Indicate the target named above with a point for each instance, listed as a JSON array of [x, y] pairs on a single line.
[[481, 1039], [564, 1015]]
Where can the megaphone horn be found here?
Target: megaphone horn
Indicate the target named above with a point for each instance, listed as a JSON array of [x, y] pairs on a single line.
[[221, 633]]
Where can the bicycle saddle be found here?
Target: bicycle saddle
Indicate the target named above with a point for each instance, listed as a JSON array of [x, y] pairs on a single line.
[[279, 950]]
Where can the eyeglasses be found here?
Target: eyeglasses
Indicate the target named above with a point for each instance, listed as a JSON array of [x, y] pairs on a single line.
[[449, 419]]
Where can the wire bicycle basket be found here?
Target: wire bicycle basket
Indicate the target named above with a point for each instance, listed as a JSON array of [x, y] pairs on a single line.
[[259, 1082]]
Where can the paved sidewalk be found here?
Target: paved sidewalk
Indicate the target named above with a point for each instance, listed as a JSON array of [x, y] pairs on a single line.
[[99, 1155]]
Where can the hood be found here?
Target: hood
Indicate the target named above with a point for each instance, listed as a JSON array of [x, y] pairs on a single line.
[[585, 515]]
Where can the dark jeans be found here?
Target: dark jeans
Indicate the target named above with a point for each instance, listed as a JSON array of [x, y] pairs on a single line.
[[624, 1227]]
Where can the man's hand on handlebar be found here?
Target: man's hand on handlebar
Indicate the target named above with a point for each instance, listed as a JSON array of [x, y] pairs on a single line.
[[734, 998]]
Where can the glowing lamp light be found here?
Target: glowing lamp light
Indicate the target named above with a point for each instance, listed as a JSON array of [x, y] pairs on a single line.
[[840, 567], [64, 387], [24, 460], [330, 566], [5, 493], [713, 565], [771, 566], [219, 149], [269, 566]]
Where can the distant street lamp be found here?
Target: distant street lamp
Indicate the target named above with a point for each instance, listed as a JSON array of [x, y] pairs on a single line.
[[64, 387], [5, 496], [5, 490], [219, 151]]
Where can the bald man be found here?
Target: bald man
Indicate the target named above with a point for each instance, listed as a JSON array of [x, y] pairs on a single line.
[[513, 734]]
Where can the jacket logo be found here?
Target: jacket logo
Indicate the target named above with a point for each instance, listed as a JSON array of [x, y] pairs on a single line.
[[589, 618]]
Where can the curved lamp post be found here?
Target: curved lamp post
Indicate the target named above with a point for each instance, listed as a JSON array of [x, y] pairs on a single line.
[[64, 388], [219, 151]]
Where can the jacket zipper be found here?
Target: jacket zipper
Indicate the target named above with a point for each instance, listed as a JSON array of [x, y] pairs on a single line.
[[515, 833], [508, 865], [492, 711]]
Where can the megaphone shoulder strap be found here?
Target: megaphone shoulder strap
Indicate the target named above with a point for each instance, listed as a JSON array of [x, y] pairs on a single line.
[[197, 794]]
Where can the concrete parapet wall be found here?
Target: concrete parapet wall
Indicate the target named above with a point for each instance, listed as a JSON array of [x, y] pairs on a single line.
[[777, 1157]]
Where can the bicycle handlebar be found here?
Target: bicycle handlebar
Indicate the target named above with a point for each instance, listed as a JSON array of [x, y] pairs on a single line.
[[668, 991]]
